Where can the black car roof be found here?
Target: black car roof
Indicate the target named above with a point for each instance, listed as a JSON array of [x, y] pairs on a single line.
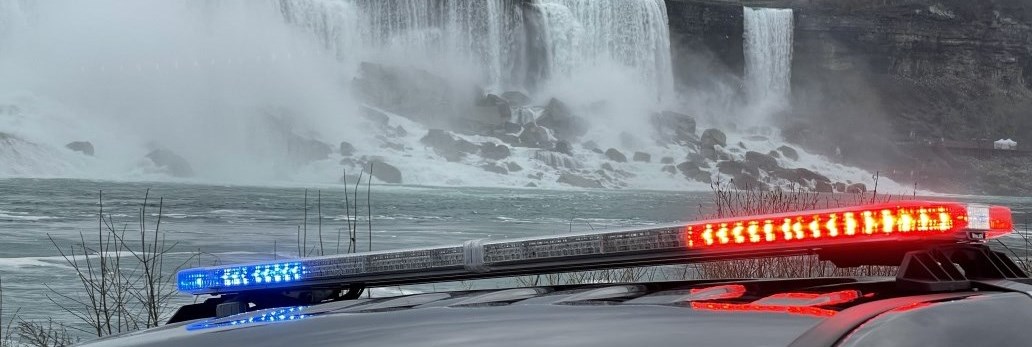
[[596, 315]]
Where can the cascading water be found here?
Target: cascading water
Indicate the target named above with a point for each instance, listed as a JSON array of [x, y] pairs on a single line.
[[581, 35], [768, 57]]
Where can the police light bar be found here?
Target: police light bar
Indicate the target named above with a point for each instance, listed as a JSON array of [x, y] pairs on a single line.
[[921, 222]]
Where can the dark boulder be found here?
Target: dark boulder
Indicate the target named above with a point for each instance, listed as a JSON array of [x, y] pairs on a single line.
[[693, 172], [516, 98], [490, 150], [745, 181], [346, 149], [608, 166], [713, 137], [856, 188], [504, 111], [385, 172], [513, 167], [823, 187], [708, 153], [762, 161], [666, 160], [495, 168], [171, 163], [789, 152], [839, 187], [509, 138], [490, 100], [558, 116], [84, 147], [509, 128], [303, 150], [812, 176], [774, 154], [535, 137], [447, 146], [735, 168], [642, 157], [615, 155], [673, 127], [578, 181], [564, 147], [670, 169]]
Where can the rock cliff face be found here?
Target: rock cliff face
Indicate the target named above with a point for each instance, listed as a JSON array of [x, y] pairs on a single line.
[[871, 75]]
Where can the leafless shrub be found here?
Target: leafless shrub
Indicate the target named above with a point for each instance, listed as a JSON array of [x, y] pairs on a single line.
[[127, 283], [48, 334], [6, 336]]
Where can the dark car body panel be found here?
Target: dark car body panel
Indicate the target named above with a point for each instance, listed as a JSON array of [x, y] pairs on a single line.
[[510, 325]]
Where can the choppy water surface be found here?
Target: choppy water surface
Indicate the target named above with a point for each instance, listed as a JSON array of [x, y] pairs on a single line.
[[236, 223]]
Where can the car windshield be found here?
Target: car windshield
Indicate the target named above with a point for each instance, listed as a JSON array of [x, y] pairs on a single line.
[[141, 138]]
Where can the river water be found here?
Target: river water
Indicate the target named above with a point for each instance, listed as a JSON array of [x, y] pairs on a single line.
[[244, 223]]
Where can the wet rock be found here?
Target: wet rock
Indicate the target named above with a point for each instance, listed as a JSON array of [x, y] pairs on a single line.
[[578, 181], [812, 176], [856, 188], [708, 153], [535, 137], [504, 111], [608, 166], [513, 167], [774, 154], [670, 169], [558, 117], [789, 152], [385, 172], [667, 160], [745, 181], [510, 139], [346, 149], [490, 100], [84, 147], [495, 168], [393, 145], [762, 161], [713, 137], [839, 187], [509, 128], [448, 146], [823, 187], [303, 150], [556, 160], [564, 147], [642, 157], [734, 168], [516, 99], [615, 155], [693, 172], [171, 163], [531, 185], [490, 150], [675, 127]]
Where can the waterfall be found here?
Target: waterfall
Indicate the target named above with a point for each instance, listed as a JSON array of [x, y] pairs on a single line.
[[582, 34], [232, 86], [768, 56], [457, 35]]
